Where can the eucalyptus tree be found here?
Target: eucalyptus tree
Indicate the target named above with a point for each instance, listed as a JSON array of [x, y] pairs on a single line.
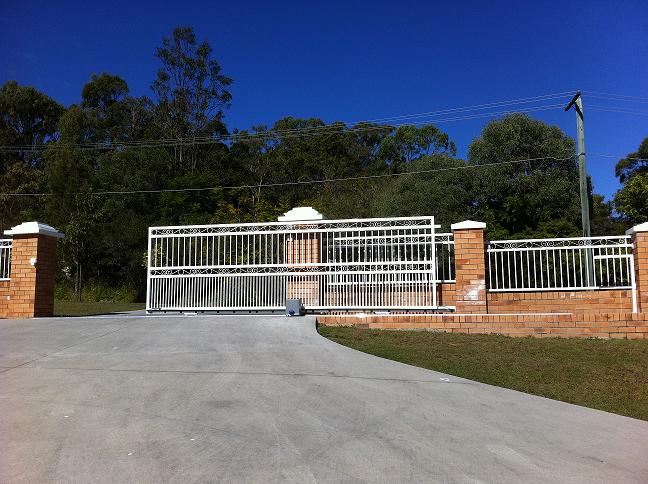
[[436, 185], [631, 201], [192, 95], [532, 187], [93, 153], [409, 143], [28, 118], [635, 163]]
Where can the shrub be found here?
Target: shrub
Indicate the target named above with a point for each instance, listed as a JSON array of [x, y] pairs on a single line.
[[96, 292]]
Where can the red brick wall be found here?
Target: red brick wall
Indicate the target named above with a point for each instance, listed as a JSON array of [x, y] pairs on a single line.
[[45, 277], [446, 294], [4, 298], [605, 301], [603, 325], [640, 252]]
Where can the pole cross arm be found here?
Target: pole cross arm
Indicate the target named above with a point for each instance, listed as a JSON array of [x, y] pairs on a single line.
[[575, 105]]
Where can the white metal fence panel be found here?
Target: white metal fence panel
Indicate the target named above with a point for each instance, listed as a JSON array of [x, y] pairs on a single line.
[[561, 264], [393, 263], [5, 259]]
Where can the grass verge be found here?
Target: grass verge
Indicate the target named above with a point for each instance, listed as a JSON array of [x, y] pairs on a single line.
[[74, 308], [610, 375]]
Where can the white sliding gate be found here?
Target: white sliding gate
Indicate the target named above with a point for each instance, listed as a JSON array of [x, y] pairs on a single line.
[[388, 263]]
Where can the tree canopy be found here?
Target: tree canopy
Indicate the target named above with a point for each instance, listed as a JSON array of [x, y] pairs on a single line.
[[535, 197], [635, 163], [632, 199], [27, 117]]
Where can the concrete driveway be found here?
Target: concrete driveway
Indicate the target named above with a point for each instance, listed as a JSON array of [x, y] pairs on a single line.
[[266, 399]]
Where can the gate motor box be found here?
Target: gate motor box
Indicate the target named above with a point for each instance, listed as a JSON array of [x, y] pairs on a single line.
[[294, 307]]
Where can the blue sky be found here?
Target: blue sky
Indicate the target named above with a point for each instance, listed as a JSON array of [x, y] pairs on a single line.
[[359, 60]]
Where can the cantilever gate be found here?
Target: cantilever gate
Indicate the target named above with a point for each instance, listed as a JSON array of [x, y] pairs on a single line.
[[328, 264]]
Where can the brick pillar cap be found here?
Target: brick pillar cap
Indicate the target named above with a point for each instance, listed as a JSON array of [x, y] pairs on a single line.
[[468, 224], [35, 228], [301, 214], [638, 228]]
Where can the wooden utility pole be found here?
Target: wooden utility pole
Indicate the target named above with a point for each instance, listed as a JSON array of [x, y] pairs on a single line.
[[577, 104]]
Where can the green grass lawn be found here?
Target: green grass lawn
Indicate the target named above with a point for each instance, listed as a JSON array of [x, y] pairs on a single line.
[[610, 375], [73, 308]]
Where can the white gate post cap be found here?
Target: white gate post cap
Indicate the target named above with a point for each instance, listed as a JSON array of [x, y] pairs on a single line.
[[638, 228], [35, 228], [301, 214], [468, 224]]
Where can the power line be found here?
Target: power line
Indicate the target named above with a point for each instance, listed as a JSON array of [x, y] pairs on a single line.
[[311, 128], [302, 182], [621, 157], [615, 97], [298, 132], [336, 125], [303, 132], [613, 109], [328, 128], [474, 107]]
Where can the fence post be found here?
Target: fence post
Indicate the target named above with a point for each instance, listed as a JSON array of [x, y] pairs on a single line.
[[639, 235], [470, 267], [33, 270]]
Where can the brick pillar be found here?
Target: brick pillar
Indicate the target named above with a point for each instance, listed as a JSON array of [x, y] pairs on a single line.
[[470, 267], [33, 270], [639, 235], [303, 248]]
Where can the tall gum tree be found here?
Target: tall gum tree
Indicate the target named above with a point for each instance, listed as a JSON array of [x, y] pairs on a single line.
[[631, 201], [27, 118], [192, 94], [532, 198]]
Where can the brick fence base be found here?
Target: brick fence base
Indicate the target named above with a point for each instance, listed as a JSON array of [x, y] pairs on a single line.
[[602, 325], [599, 301]]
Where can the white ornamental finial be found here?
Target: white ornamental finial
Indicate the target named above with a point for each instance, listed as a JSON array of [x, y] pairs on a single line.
[[301, 214]]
